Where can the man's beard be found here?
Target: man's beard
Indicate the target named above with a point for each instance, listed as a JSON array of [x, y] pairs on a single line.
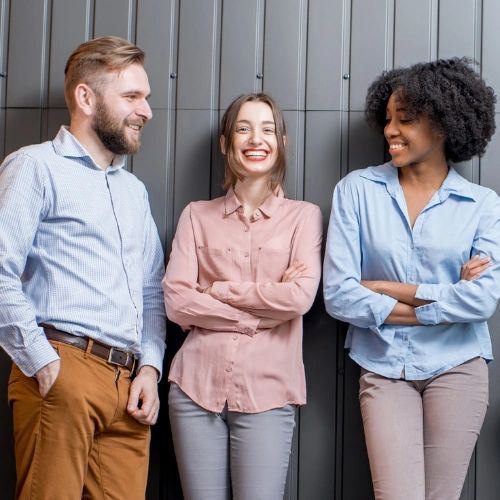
[[112, 132]]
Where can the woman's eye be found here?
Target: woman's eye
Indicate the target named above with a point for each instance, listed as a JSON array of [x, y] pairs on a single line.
[[242, 129], [269, 130]]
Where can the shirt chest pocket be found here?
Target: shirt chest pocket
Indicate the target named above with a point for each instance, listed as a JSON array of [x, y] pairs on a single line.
[[214, 264], [272, 263]]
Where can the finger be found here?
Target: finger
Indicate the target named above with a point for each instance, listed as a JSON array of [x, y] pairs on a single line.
[[479, 263], [133, 397], [148, 401], [479, 270]]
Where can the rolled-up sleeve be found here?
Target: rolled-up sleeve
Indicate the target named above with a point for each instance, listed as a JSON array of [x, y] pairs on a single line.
[[282, 301], [468, 301], [185, 302], [345, 298]]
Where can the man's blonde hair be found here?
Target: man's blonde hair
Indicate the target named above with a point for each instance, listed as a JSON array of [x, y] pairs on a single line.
[[91, 60]]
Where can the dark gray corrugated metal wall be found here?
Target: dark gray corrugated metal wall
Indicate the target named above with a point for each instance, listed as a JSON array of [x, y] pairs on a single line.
[[317, 58]]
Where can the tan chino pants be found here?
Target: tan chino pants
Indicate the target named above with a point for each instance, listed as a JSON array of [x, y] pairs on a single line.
[[78, 442]]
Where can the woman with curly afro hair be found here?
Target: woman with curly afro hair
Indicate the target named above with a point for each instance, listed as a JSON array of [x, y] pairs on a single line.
[[413, 264]]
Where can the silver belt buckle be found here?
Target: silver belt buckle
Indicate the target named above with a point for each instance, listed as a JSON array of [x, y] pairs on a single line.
[[117, 363]]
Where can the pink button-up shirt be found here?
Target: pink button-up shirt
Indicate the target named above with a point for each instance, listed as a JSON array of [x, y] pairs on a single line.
[[226, 357]]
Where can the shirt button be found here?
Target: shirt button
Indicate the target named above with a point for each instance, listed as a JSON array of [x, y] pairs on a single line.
[[246, 254], [235, 337], [229, 369], [246, 230]]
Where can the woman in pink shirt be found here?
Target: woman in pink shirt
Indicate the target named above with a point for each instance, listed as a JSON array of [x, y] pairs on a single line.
[[243, 270]]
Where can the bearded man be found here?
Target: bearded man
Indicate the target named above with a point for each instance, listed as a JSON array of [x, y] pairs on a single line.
[[81, 305]]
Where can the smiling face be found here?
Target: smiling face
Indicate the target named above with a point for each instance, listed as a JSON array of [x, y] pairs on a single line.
[[412, 138], [122, 109], [254, 144]]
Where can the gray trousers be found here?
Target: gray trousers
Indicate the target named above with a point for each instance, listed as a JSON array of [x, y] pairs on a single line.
[[420, 434], [216, 451]]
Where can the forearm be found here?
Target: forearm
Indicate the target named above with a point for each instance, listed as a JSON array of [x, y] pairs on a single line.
[[402, 292], [280, 301], [402, 314]]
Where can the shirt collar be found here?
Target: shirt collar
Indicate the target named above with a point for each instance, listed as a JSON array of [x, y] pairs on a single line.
[[268, 208], [388, 174], [67, 145]]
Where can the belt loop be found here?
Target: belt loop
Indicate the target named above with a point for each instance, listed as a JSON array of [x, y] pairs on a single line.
[[90, 344]]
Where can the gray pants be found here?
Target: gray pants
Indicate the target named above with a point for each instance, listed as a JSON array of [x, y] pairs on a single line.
[[420, 435], [248, 451]]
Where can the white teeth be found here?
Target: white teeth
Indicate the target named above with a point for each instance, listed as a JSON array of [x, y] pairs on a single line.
[[255, 154], [135, 127], [396, 146]]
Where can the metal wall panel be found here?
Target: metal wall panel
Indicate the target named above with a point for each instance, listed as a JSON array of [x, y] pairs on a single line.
[[284, 52], [325, 38], [150, 165], [314, 55], [294, 180], [458, 28], [28, 37], [192, 157], [64, 40], [157, 36], [241, 49], [366, 146], [198, 67], [4, 32], [413, 31], [115, 17], [371, 45], [490, 42], [22, 127]]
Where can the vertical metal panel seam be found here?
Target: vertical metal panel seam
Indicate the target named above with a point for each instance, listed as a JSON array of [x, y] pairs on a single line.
[[345, 117], [259, 44], [215, 77], [263, 38], [4, 37], [132, 37], [89, 19], [4, 40], [172, 125], [434, 29], [345, 89], [390, 30], [132, 21], [478, 56], [301, 97], [45, 63]]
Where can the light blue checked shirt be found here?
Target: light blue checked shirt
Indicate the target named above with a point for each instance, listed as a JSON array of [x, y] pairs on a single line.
[[370, 238], [78, 250]]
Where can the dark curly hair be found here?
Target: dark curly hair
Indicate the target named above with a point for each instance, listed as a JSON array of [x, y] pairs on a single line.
[[454, 97]]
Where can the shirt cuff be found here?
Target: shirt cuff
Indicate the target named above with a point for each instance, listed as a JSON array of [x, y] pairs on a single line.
[[152, 355], [384, 308], [429, 291], [429, 314], [35, 356], [220, 291]]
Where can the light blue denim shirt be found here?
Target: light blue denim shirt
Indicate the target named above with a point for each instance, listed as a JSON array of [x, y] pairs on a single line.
[[370, 238], [79, 250]]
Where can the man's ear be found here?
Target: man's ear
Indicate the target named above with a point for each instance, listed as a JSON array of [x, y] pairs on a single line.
[[222, 142], [85, 98]]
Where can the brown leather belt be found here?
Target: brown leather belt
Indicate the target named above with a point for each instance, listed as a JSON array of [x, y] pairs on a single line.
[[112, 355]]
